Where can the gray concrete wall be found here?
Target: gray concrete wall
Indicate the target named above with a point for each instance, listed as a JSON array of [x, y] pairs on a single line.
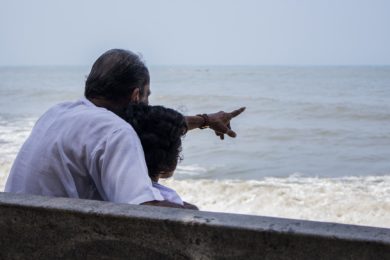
[[36, 227]]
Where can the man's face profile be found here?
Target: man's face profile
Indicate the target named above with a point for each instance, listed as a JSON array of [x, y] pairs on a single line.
[[140, 96], [144, 97]]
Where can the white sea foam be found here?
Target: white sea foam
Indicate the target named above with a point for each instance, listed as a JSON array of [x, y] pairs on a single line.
[[12, 135], [352, 200], [191, 170]]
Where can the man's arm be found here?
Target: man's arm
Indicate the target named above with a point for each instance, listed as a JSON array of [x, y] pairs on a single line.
[[219, 122], [194, 122], [119, 170]]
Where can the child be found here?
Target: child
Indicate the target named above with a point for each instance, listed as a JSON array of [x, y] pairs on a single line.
[[160, 130]]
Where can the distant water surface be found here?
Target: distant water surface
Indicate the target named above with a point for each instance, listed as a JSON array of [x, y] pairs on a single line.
[[311, 126]]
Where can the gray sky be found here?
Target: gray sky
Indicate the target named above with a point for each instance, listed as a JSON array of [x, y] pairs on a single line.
[[199, 32]]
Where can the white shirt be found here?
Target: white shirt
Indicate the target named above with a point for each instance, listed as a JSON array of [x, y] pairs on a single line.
[[168, 194], [78, 150]]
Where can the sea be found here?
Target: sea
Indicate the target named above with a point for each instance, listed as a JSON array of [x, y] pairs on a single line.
[[313, 142]]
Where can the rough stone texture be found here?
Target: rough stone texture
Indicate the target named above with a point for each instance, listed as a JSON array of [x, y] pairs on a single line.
[[36, 227]]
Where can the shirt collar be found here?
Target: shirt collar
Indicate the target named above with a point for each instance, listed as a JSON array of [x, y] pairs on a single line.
[[87, 102]]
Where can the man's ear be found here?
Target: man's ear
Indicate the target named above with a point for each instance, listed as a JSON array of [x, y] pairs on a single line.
[[135, 96]]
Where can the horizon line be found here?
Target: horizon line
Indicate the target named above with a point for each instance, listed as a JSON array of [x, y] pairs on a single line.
[[205, 65]]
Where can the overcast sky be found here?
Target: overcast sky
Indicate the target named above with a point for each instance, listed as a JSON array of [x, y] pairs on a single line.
[[199, 32]]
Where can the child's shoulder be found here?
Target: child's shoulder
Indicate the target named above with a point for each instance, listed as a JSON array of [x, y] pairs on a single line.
[[168, 193]]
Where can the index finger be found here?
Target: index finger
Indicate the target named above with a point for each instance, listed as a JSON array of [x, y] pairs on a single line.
[[237, 112]]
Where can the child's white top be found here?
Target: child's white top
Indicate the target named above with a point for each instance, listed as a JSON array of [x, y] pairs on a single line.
[[168, 194]]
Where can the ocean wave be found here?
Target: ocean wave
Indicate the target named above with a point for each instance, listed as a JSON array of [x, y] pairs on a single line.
[[5, 167], [190, 170], [13, 132], [351, 200]]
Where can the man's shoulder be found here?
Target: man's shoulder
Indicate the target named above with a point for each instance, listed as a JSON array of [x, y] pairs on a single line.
[[82, 118], [83, 110]]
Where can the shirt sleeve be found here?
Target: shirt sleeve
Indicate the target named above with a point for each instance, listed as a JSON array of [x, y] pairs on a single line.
[[120, 172]]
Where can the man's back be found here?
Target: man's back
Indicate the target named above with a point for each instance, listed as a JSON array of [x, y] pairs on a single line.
[[79, 150]]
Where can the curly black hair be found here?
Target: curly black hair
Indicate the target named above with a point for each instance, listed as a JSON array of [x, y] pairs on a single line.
[[160, 130]]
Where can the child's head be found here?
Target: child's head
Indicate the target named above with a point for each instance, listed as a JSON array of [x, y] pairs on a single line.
[[160, 130]]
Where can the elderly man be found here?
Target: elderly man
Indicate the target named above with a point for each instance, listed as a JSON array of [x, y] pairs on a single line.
[[84, 149]]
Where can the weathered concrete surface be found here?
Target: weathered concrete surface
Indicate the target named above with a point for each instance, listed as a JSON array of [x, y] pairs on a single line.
[[36, 227]]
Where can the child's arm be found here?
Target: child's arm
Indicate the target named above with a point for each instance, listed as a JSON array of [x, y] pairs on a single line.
[[163, 203], [190, 206]]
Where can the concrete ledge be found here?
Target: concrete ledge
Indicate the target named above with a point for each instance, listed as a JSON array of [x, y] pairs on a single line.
[[38, 227]]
